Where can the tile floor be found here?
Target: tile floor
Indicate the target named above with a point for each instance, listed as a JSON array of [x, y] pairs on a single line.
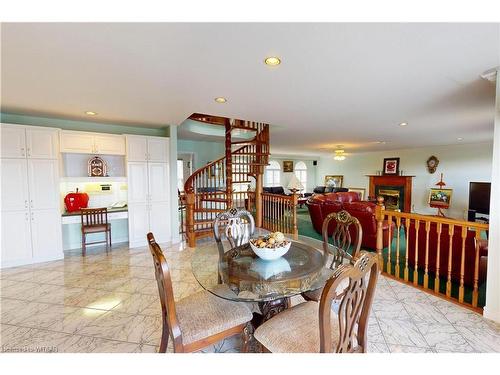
[[108, 302]]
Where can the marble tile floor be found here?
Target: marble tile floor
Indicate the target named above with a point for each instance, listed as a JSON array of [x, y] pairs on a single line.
[[108, 302]]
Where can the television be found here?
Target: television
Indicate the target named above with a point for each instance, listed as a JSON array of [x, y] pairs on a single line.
[[479, 197]]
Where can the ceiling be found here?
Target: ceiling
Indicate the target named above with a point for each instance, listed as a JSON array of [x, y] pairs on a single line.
[[347, 84]]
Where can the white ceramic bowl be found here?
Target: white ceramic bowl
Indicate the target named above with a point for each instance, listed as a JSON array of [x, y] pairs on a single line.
[[267, 253]]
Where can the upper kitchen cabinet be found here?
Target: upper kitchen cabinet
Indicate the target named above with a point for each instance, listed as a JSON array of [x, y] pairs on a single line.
[[142, 148], [92, 143], [20, 141]]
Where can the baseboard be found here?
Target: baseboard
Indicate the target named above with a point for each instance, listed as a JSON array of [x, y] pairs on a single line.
[[491, 314], [24, 262]]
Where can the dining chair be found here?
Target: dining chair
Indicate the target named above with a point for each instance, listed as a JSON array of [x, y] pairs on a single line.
[[313, 327], [343, 246], [94, 220], [237, 225], [198, 320]]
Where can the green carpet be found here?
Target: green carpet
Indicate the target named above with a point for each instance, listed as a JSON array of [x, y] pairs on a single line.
[[306, 229]]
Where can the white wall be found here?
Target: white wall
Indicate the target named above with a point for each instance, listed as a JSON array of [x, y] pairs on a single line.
[[459, 163], [285, 177]]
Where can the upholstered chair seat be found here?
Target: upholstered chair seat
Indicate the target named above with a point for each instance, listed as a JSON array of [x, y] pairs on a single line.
[[203, 315]]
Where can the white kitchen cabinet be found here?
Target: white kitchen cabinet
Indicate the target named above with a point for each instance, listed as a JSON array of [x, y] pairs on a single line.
[[138, 222], [14, 182], [92, 143], [16, 238], [43, 175], [13, 141], [160, 221], [137, 173], [142, 148], [45, 234], [158, 182], [42, 143]]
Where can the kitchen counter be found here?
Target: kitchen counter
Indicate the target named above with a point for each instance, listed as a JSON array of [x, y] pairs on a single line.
[[110, 211]]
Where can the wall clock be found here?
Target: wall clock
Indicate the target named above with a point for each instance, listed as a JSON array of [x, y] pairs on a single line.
[[432, 164], [97, 167]]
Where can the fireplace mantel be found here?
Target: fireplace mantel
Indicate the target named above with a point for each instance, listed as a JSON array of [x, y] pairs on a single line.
[[400, 181]]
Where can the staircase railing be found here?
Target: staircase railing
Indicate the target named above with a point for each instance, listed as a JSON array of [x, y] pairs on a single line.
[[442, 256]]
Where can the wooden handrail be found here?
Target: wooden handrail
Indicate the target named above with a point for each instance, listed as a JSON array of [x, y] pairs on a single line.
[[431, 262]]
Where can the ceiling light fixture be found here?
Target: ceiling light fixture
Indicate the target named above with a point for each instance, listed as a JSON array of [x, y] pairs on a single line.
[[339, 155], [403, 124], [460, 139], [90, 113], [220, 99], [272, 61], [380, 142]]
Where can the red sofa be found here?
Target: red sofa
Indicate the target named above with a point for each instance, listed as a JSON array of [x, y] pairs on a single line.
[[321, 205], [470, 252]]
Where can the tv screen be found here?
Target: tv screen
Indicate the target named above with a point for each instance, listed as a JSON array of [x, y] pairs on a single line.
[[479, 197]]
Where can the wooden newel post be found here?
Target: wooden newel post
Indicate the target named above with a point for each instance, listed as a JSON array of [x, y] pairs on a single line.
[[379, 216], [258, 200], [191, 236], [295, 229]]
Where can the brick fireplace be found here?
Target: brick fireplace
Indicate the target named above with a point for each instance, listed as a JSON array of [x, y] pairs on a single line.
[[396, 191]]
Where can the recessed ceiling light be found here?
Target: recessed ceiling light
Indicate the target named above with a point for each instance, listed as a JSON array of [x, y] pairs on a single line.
[[460, 139], [381, 142], [403, 124], [90, 113], [220, 99], [272, 61]]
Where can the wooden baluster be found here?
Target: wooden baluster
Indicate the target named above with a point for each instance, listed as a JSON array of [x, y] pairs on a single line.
[[426, 270], [476, 269], [451, 229], [389, 244], [461, 289], [379, 216], [295, 198], [407, 225], [438, 257], [415, 270], [398, 227]]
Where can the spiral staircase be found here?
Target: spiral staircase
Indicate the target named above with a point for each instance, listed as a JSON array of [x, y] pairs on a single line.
[[225, 182]]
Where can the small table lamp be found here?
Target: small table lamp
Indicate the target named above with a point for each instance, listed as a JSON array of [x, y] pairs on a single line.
[[295, 185]]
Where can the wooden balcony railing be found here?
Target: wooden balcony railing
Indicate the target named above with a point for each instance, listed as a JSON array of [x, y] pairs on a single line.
[[440, 255]]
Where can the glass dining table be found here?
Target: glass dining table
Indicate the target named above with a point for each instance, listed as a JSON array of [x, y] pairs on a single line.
[[239, 275]]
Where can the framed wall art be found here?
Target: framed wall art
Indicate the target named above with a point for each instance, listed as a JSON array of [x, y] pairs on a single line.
[[287, 166], [334, 181], [391, 167]]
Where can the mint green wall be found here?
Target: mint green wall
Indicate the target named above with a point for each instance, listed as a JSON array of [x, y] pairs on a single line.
[[203, 151], [11, 118]]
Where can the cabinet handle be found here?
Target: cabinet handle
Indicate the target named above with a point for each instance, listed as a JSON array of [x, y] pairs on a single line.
[[26, 204], [31, 203], [26, 215], [32, 217], [29, 152], [22, 151]]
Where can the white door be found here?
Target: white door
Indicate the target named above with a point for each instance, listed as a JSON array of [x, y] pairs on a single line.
[[159, 189], [158, 149], [16, 238], [159, 218], [109, 144], [13, 141], [137, 173], [137, 148], [138, 224], [42, 143], [14, 184], [77, 142], [43, 183], [46, 236]]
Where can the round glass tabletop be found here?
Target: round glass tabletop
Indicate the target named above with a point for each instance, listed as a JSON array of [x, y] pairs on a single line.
[[240, 275]]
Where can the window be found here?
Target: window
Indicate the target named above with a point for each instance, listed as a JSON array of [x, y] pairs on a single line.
[[180, 175], [301, 173], [272, 174]]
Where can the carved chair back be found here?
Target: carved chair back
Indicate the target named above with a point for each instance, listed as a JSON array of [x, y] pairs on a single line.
[[237, 225], [93, 216], [162, 274], [344, 246], [355, 290]]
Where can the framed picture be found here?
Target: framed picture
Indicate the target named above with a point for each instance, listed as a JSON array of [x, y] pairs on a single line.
[[391, 166], [360, 191], [287, 165], [334, 181], [440, 198]]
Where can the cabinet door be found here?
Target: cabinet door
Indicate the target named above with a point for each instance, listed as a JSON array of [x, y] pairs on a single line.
[[46, 236], [14, 184], [138, 224], [137, 177], [77, 142], [159, 189], [159, 221], [42, 143], [107, 144], [158, 149], [13, 141], [43, 178], [16, 238], [137, 148]]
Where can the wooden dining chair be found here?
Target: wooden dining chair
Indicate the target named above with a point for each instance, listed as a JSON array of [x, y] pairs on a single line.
[[95, 220], [237, 225], [198, 320], [313, 327], [343, 246]]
